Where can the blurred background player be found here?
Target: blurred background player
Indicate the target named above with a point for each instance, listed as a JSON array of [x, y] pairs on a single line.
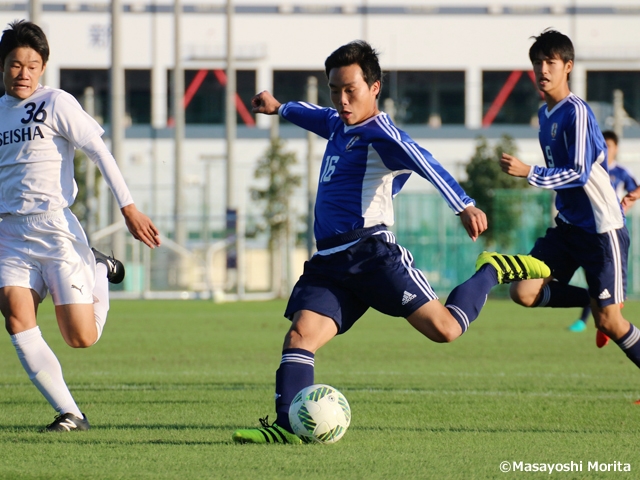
[[621, 177], [359, 264], [42, 245], [590, 231], [625, 185]]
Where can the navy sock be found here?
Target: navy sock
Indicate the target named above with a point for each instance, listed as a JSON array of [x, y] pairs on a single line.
[[586, 312], [468, 298], [561, 295], [295, 373], [630, 345]]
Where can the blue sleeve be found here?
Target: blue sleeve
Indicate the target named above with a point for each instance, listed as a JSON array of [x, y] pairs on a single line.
[[399, 152], [318, 120], [580, 150], [630, 183]]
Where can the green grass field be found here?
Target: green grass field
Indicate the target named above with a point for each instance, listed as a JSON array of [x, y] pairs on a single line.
[[170, 381]]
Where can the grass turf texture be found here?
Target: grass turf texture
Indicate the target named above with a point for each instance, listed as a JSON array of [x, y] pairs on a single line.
[[170, 380]]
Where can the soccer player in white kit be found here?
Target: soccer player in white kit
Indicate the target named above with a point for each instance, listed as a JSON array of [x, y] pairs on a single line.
[[42, 245]]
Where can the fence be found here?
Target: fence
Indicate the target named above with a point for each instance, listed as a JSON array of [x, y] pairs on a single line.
[[441, 248], [424, 224]]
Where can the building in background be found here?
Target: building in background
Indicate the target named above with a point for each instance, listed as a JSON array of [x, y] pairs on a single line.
[[453, 71]]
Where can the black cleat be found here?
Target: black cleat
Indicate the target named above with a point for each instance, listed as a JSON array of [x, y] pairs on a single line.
[[66, 422], [115, 268]]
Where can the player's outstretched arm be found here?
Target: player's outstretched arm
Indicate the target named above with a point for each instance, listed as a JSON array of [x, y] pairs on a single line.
[[513, 166], [474, 221], [265, 103], [141, 226]]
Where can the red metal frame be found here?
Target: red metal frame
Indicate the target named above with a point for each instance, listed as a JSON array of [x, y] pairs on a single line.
[[503, 95], [221, 76]]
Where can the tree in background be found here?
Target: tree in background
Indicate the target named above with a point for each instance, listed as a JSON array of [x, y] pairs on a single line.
[[80, 207], [275, 167], [484, 177]]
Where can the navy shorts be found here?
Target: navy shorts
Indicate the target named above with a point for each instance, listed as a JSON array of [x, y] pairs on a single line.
[[603, 256], [375, 272]]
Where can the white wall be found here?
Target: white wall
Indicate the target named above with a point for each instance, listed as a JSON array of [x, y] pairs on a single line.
[[265, 42]]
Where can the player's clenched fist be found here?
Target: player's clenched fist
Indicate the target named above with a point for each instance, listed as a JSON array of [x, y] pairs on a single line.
[[265, 103]]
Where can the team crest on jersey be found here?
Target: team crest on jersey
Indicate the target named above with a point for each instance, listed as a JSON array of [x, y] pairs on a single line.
[[351, 142], [554, 130]]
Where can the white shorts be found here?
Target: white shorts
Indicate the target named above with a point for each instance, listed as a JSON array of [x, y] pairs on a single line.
[[47, 252]]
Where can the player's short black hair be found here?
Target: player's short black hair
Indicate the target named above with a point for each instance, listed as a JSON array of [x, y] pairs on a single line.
[[356, 52], [552, 43], [610, 135], [21, 33]]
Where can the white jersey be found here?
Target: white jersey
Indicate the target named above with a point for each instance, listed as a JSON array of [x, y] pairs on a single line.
[[38, 137]]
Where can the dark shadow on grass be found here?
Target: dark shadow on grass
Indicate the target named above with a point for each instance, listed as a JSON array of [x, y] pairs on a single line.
[[81, 439], [482, 430], [137, 387], [105, 427]]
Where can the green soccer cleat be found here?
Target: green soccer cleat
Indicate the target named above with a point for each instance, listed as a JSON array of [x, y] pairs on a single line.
[[265, 434], [513, 268]]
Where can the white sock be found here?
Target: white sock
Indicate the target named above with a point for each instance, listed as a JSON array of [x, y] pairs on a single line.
[[101, 298], [44, 370]]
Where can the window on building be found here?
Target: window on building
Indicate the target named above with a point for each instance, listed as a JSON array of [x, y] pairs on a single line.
[[291, 85], [137, 92], [509, 97], [205, 95], [138, 95], [419, 97], [76, 82], [600, 88], [425, 97]]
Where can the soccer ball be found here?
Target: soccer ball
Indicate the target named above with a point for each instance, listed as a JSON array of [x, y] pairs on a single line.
[[319, 414]]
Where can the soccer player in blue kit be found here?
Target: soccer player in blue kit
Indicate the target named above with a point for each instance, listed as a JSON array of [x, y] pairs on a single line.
[[359, 264], [624, 182], [626, 187], [590, 227]]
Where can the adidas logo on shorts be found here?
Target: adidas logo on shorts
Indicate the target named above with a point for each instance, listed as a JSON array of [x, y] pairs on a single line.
[[604, 295], [407, 297]]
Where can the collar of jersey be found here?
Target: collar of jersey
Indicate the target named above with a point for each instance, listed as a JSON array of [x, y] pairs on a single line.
[[13, 101], [548, 113], [348, 128]]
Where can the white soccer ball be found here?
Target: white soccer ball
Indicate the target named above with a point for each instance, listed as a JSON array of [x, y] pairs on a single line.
[[320, 414]]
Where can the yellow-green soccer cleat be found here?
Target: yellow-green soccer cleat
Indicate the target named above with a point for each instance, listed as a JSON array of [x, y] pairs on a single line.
[[265, 434], [513, 268]]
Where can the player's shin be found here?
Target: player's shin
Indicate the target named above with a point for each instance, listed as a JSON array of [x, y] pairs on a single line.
[[101, 298], [44, 370], [294, 374], [467, 299]]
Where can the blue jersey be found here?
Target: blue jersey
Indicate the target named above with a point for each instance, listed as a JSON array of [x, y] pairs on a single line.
[[364, 167], [576, 156], [622, 179]]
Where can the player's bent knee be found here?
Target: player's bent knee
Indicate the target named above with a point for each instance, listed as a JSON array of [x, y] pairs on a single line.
[[452, 333], [439, 331], [81, 341]]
